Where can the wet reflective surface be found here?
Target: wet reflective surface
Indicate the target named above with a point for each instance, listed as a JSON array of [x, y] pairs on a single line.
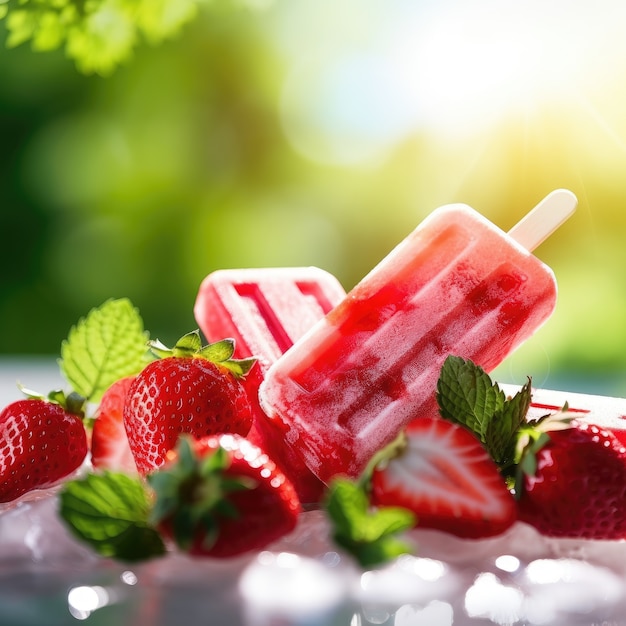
[[519, 578]]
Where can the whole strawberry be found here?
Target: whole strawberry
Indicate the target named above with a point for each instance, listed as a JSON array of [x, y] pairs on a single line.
[[40, 443], [222, 496], [574, 484], [193, 390]]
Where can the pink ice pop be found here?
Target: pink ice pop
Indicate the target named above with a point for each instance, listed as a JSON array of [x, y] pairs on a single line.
[[456, 285], [265, 311]]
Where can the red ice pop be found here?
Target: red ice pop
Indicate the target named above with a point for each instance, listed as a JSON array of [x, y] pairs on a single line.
[[265, 310], [456, 285]]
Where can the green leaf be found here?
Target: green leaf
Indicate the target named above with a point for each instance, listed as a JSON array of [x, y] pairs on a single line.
[[189, 343], [467, 396], [527, 462], [219, 351], [21, 24], [50, 32], [104, 37], [192, 493], [347, 506], [109, 512], [369, 535], [502, 429], [106, 345], [98, 35], [239, 367], [159, 19]]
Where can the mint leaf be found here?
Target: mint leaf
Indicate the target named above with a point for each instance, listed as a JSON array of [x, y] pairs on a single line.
[[467, 396], [109, 511], [106, 345], [502, 429], [369, 535]]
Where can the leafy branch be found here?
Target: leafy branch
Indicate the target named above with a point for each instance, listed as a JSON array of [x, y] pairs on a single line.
[[98, 35]]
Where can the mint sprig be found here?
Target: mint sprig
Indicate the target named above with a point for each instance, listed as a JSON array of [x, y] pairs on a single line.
[[467, 396], [110, 512], [109, 343], [369, 535]]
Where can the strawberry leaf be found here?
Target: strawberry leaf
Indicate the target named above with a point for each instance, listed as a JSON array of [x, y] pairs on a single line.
[[109, 511], [527, 464], [369, 535], [239, 367], [189, 343], [192, 492], [106, 345], [222, 352], [219, 352]]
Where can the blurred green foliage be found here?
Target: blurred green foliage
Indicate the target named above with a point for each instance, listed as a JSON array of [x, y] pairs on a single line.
[[180, 162], [97, 34]]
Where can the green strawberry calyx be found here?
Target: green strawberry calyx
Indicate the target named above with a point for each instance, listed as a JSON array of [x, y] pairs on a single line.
[[119, 516], [192, 494], [220, 352], [72, 403], [531, 439]]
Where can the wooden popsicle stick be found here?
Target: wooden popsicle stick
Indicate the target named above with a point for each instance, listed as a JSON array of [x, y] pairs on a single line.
[[544, 219]]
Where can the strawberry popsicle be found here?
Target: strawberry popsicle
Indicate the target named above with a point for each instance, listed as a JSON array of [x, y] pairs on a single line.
[[265, 310], [456, 285]]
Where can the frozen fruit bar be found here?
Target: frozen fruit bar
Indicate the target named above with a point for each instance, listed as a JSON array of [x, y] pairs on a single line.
[[456, 285], [266, 310]]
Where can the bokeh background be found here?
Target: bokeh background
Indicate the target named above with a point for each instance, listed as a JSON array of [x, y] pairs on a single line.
[[310, 132]]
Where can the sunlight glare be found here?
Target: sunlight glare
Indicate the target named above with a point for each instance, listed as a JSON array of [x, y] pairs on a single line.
[[450, 70]]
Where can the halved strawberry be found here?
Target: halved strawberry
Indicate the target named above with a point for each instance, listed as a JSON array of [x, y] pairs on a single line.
[[445, 476], [109, 441]]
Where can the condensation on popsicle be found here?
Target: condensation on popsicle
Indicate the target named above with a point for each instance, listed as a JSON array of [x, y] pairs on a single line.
[[265, 310], [456, 285]]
